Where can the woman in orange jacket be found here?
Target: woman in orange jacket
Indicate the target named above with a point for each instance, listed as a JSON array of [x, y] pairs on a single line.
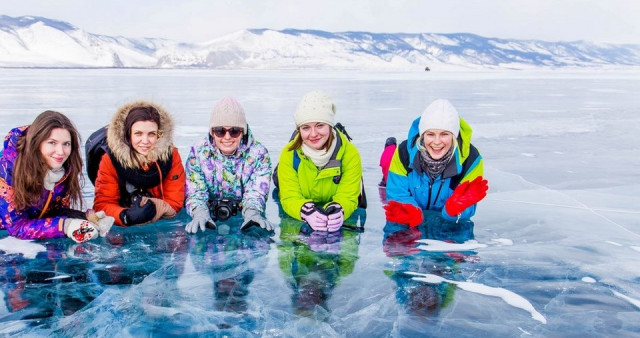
[[140, 178]]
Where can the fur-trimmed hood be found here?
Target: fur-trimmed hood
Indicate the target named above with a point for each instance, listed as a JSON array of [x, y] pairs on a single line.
[[128, 157]]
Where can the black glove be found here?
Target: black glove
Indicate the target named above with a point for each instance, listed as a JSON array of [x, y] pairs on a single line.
[[138, 214]]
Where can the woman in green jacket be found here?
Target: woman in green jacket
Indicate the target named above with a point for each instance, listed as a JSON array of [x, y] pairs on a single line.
[[320, 172]]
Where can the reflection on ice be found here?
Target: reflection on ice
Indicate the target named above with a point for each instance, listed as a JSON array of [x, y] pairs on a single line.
[[313, 262], [509, 297], [560, 223], [403, 244]]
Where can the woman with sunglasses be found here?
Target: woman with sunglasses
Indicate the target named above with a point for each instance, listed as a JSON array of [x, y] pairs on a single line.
[[227, 170], [40, 169], [320, 172], [140, 178]]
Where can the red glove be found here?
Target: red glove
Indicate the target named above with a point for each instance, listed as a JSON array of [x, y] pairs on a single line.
[[466, 195], [403, 213]]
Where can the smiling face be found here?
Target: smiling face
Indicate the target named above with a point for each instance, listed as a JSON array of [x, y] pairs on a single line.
[[227, 143], [315, 134], [56, 148], [144, 136], [437, 142]]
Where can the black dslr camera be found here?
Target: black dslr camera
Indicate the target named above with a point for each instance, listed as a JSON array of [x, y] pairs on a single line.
[[224, 208]]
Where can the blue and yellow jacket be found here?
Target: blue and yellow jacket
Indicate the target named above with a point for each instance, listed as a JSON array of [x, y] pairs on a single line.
[[407, 183]]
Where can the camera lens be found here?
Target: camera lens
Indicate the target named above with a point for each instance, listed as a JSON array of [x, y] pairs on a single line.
[[223, 213]]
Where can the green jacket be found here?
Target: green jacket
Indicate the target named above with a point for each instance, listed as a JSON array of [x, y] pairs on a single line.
[[310, 184]]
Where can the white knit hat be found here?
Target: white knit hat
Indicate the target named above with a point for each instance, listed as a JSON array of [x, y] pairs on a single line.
[[228, 113], [315, 106], [440, 114]]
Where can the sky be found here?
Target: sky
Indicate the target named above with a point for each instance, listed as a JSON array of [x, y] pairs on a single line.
[[615, 21]]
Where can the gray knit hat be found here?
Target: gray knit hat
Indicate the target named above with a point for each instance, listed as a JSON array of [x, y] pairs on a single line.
[[315, 106], [228, 113]]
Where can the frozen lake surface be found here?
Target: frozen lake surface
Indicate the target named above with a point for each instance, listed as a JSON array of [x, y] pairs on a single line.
[[554, 249]]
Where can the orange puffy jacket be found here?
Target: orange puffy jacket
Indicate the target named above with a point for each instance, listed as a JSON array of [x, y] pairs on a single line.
[[108, 191]]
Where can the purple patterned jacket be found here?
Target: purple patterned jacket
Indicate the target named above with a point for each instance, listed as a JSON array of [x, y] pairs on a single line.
[[244, 176], [28, 224]]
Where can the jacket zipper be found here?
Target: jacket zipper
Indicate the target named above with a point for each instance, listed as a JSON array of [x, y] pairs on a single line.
[[46, 205], [437, 194]]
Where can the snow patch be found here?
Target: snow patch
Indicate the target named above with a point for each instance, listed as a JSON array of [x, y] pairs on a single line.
[[633, 301], [502, 241], [440, 246], [27, 248], [509, 297]]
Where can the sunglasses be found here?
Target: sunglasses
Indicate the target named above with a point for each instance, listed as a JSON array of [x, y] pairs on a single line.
[[221, 131]]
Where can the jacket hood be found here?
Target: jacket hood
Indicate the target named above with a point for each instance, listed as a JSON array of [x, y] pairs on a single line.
[[128, 157], [463, 142], [11, 142]]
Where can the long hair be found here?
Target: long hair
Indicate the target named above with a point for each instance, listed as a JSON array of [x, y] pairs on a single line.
[[31, 167], [298, 141]]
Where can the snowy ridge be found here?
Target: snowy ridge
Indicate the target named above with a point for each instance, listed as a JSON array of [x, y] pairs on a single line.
[[40, 42]]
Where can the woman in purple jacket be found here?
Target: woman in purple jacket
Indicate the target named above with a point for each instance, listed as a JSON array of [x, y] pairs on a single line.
[[40, 171]]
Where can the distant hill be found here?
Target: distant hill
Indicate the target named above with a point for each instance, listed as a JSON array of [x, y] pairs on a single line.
[[40, 42]]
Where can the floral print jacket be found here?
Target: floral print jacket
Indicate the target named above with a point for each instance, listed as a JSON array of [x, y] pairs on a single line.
[[28, 223], [244, 176]]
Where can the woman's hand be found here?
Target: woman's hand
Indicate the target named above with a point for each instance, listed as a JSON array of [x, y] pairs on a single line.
[[80, 230], [163, 209], [314, 216], [335, 216], [403, 213], [100, 220], [138, 213], [466, 195]]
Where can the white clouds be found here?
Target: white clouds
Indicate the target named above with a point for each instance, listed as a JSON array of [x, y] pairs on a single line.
[[201, 20]]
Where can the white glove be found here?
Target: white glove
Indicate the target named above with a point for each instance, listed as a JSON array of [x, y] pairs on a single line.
[[104, 223], [80, 230], [249, 215], [200, 219]]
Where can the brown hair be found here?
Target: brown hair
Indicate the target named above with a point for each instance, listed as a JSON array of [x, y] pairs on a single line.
[[31, 167], [298, 141], [137, 114]]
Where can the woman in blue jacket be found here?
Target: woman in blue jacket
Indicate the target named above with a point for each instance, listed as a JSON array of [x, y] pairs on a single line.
[[436, 168]]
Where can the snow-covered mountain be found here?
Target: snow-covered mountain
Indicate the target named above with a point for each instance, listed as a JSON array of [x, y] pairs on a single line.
[[40, 42]]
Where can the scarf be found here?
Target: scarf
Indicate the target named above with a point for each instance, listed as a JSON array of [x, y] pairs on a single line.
[[52, 177], [320, 157], [432, 167], [140, 178]]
